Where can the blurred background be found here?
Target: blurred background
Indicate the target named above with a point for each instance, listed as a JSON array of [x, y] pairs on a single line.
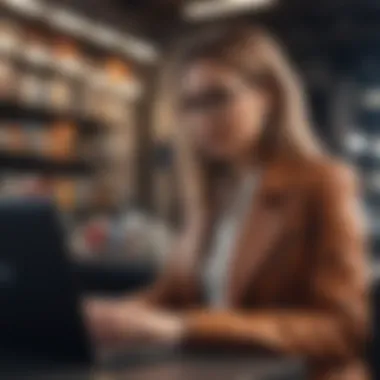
[[81, 121]]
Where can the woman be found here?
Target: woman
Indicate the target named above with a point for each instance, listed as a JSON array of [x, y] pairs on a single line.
[[272, 250]]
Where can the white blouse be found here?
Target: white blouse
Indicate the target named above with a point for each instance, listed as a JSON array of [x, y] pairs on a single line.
[[216, 269]]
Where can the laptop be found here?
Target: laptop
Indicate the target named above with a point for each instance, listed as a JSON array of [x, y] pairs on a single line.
[[40, 321]]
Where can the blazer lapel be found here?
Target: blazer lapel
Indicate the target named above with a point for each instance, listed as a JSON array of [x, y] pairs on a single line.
[[261, 231]]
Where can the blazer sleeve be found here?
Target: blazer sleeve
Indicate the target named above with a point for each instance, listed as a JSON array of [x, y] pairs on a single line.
[[162, 292], [335, 323]]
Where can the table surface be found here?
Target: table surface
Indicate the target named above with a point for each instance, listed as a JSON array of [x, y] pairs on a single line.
[[202, 368]]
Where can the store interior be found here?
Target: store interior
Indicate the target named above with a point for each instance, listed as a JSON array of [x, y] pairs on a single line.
[[81, 120]]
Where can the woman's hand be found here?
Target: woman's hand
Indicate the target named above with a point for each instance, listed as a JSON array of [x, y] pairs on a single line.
[[161, 327], [107, 321], [117, 322]]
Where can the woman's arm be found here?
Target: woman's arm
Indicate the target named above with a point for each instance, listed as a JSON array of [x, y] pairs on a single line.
[[166, 290], [336, 323], [136, 317], [162, 292]]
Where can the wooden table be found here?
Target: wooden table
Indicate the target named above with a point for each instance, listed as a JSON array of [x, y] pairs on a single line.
[[182, 369]]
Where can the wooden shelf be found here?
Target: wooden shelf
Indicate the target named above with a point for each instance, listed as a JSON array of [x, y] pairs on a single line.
[[14, 111], [87, 212], [30, 163], [129, 90], [89, 44]]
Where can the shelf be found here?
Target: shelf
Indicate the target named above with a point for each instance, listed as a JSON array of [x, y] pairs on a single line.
[[14, 111], [135, 50], [87, 212], [130, 90], [29, 163]]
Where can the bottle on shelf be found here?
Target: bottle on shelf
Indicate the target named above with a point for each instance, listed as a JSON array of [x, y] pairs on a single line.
[[64, 193], [61, 97], [17, 139], [61, 140], [68, 65], [32, 90], [67, 58], [118, 74]]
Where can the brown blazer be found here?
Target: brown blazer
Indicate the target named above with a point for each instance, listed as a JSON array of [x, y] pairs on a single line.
[[298, 282]]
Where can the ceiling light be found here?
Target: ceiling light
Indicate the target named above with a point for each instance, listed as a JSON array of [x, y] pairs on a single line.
[[200, 10]]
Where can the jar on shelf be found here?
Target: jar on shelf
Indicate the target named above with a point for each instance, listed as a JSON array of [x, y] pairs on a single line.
[[93, 92], [37, 50], [37, 138], [61, 96], [32, 90], [17, 139], [4, 142], [10, 38], [8, 79], [113, 107]]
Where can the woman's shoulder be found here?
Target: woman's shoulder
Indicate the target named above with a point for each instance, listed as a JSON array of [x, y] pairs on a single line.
[[314, 173], [330, 168], [320, 175], [328, 172]]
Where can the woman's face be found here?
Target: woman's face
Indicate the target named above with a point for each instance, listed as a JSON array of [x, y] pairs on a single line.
[[224, 114]]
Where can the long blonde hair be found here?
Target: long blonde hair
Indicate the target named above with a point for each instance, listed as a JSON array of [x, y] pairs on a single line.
[[251, 51]]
